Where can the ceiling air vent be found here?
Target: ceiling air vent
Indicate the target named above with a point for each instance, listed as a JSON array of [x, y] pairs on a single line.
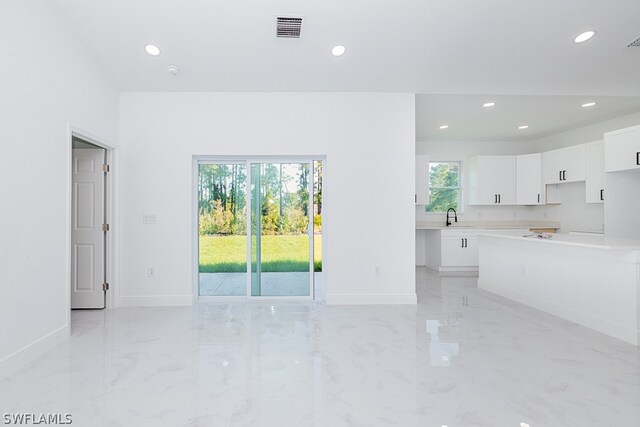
[[635, 43], [288, 27]]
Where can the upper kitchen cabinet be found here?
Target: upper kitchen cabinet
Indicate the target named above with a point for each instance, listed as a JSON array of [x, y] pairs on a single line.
[[492, 180], [564, 165], [622, 149], [595, 172], [529, 187], [422, 180]]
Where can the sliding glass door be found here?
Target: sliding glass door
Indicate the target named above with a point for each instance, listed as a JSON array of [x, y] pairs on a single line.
[[222, 229], [281, 232], [256, 224]]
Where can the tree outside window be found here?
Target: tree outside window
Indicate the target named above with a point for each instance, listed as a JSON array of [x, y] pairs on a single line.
[[444, 186]]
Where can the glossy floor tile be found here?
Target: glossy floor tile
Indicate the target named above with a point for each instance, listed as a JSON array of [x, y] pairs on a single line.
[[461, 357]]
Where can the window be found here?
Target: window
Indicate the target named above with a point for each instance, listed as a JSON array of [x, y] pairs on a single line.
[[444, 186]]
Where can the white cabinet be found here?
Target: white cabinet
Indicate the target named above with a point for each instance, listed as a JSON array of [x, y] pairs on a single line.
[[492, 180], [552, 164], [622, 149], [460, 251], [456, 249], [422, 180], [451, 249], [564, 164], [529, 187], [595, 172]]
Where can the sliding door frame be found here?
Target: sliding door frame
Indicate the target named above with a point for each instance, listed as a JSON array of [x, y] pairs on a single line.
[[248, 160], [279, 160]]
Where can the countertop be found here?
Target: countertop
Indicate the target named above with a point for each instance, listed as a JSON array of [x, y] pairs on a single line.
[[487, 225], [585, 241]]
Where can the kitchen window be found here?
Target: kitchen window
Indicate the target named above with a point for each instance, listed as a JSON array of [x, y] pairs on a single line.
[[445, 190]]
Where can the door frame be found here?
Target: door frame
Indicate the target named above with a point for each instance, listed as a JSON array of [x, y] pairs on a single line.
[[202, 159], [111, 197], [311, 295]]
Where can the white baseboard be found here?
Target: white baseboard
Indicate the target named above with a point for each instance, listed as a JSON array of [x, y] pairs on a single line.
[[155, 300], [351, 299], [454, 269], [603, 326], [32, 351]]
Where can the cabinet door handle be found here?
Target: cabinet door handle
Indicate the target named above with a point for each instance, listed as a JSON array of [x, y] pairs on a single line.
[[638, 158], [416, 198], [538, 197], [559, 175], [602, 194], [461, 242], [564, 175], [466, 243], [495, 198], [499, 198]]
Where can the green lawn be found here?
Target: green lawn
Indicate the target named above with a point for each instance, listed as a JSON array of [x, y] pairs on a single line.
[[228, 254]]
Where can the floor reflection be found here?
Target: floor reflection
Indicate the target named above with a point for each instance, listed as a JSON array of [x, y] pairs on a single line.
[[461, 357]]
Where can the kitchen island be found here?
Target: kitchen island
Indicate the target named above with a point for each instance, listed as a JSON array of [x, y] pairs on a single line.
[[590, 280]]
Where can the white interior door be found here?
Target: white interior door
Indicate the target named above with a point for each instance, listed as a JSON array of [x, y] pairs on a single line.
[[87, 236]]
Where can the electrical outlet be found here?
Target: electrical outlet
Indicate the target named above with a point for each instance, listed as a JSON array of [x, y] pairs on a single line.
[[151, 272], [149, 218], [376, 270]]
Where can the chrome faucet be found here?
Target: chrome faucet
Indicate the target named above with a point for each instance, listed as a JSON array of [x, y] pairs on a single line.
[[455, 216]]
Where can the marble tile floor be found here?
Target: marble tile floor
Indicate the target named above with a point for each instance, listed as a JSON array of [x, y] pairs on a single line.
[[461, 357]]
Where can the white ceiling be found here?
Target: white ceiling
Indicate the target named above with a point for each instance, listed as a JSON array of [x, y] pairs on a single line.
[[545, 115], [415, 46]]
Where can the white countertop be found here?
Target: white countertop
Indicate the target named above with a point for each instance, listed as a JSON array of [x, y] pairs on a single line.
[[595, 241], [485, 225]]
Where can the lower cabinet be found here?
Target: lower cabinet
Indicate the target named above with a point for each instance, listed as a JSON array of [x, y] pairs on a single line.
[[455, 249], [458, 251]]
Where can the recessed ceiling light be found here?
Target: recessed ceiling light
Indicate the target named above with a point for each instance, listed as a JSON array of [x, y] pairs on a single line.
[[523, 127], [444, 127], [524, 425], [589, 104], [488, 104], [584, 36], [152, 49], [338, 50]]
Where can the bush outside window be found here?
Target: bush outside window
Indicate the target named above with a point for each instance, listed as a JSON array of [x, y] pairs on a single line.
[[444, 186]]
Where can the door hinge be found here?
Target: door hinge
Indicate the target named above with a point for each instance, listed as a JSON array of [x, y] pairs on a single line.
[[105, 227], [105, 287], [105, 168]]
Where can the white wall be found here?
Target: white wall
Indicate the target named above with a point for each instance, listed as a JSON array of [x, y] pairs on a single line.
[[574, 213], [47, 82], [622, 204], [583, 134], [369, 141]]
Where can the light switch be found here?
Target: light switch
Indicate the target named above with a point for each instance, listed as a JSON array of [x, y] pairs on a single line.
[[149, 219]]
